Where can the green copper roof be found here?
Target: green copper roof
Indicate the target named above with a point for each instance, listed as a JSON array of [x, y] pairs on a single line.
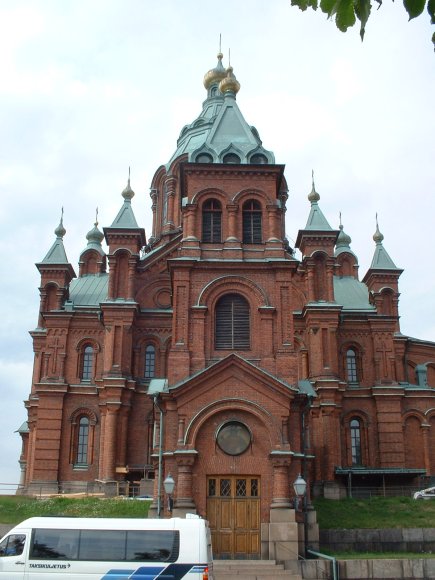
[[56, 254], [221, 127], [89, 290], [316, 220], [381, 259], [94, 237], [125, 217], [352, 294], [343, 243]]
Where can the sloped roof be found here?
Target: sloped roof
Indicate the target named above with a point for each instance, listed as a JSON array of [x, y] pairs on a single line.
[[220, 127], [89, 290], [352, 294]]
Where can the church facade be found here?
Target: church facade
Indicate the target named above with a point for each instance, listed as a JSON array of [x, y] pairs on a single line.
[[210, 352]]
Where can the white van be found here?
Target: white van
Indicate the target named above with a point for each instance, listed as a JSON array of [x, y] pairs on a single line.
[[50, 548]]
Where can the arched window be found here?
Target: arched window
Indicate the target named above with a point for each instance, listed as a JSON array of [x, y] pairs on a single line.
[[82, 442], [150, 362], [320, 285], [212, 221], [204, 158], [258, 159], [231, 158], [351, 366], [232, 324], [355, 442], [87, 367], [252, 217], [165, 204]]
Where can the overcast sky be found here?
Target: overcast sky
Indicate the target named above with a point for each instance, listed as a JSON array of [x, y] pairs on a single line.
[[91, 87]]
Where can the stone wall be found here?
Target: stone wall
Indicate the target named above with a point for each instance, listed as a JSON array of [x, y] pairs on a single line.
[[397, 569], [420, 540]]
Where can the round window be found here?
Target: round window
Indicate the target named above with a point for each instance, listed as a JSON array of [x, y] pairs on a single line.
[[233, 438]]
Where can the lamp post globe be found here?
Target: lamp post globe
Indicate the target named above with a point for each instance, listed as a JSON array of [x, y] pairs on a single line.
[[169, 484], [300, 486]]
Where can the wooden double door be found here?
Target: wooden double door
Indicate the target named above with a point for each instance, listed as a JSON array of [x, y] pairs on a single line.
[[233, 512]]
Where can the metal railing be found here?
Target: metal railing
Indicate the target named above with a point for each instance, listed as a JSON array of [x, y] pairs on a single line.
[[363, 492]]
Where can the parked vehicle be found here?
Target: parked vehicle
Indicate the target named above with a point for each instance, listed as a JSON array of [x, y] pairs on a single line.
[[47, 548], [428, 493]]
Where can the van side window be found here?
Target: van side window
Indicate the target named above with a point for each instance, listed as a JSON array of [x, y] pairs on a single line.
[[13, 545], [106, 545]]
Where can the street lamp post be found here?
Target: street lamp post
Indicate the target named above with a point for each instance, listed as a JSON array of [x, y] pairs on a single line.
[[169, 485], [300, 487]]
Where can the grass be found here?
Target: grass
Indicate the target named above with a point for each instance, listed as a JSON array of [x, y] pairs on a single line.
[[378, 512], [14, 509]]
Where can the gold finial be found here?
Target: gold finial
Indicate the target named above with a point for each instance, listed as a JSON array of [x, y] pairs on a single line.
[[229, 84], [377, 236], [60, 231], [215, 75], [313, 196]]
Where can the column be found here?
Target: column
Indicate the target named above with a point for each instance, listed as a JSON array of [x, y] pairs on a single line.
[[280, 488], [110, 442], [183, 491]]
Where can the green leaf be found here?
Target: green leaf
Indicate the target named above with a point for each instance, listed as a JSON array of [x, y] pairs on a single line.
[[304, 4], [345, 16], [414, 7], [329, 7], [362, 10], [431, 10]]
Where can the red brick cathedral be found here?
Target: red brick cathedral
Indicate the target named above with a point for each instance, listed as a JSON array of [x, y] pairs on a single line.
[[210, 352]]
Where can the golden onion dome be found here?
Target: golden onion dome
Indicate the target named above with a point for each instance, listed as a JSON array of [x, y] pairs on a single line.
[[229, 83], [215, 74]]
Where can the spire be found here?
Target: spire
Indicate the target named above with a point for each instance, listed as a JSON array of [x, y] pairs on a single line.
[[95, 237], [125, 217], [215, 75], [381, 259], [343, 242], [221, 128], [56, 254], [316, 219], [229, 85]]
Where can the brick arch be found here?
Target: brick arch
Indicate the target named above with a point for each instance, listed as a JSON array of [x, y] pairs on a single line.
[[413, 439], [238, 404], [88, 340], [210, 192], [83, 412], [346, 262], [74, 434], [359, 350], [355, 414], [430, 414], [232, 283], [346, 450], [414, 413], [251, 193]]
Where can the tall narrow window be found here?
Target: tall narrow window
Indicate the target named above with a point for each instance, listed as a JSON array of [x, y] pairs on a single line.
[[212, 222], [82, 442], [165, 204], [150, 362], [87, 363], [351, 366], [252, 215], [355, 439], [232, 324]]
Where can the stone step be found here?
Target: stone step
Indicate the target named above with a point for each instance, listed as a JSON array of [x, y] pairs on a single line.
[[251, 570]]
